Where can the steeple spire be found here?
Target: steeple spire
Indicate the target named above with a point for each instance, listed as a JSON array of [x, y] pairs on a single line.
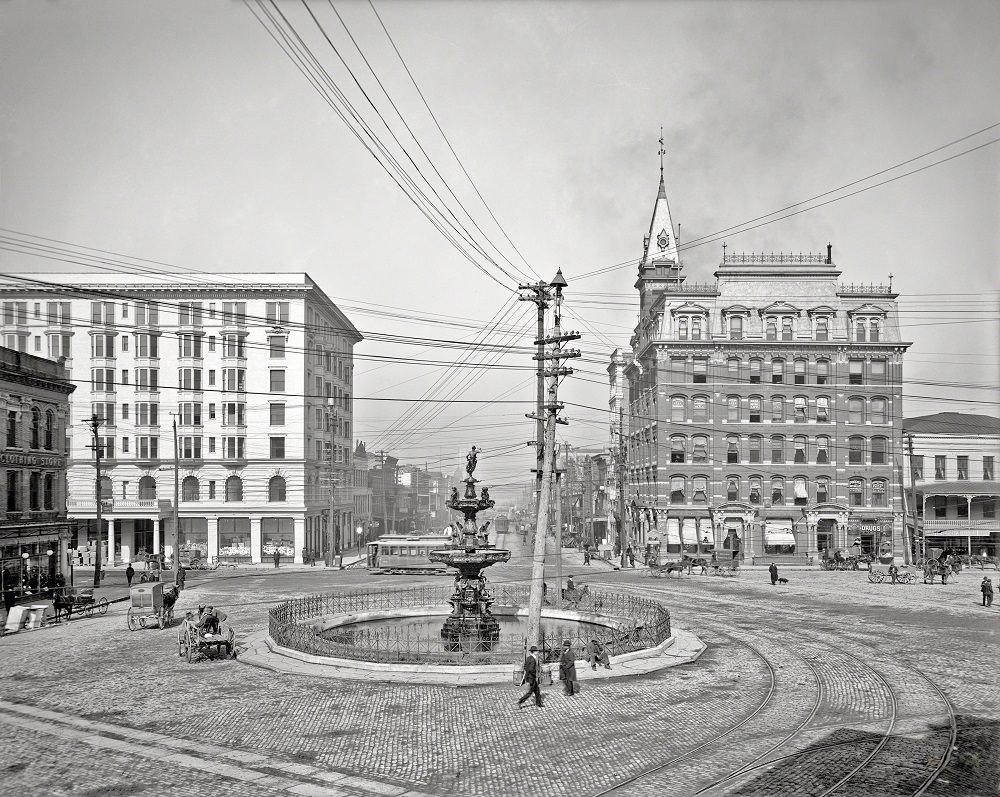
[[661, 243]]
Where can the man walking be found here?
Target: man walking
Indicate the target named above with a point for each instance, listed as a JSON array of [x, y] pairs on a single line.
[[277, 557], [179, 580], [567, 669], [532, 671], [773, 570], [987, 590], [129, 573]]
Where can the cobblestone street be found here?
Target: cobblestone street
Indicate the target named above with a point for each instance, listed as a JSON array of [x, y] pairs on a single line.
[[801, 684]]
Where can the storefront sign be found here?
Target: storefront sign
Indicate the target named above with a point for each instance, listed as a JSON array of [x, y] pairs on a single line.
[[870, 526], [31, 460]]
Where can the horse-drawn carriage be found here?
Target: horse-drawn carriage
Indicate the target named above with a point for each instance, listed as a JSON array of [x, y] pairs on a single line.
[[896, 575], [207, 637], [656, 569], [151, 605], [80, 600], [849, 559]]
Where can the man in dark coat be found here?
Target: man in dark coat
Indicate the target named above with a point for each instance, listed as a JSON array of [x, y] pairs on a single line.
[[773, 570], [987, 590], [532, 671], [181, 577], [129, 573], [277, 557], [567, 669]]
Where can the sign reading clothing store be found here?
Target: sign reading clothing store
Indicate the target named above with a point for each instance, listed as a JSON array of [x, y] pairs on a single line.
[[31, 460]]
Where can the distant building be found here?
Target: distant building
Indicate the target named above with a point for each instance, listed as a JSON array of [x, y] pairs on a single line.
[[255, 370], [765, 407], [952, 480], [361, 494], [35, 536]]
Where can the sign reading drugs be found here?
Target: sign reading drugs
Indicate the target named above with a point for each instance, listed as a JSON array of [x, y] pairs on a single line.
[[31, 460], [870, 526]]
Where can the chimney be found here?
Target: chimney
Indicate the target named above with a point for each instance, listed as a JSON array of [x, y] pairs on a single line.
[[829, 254]]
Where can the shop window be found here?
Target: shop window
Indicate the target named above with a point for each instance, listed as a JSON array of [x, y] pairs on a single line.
[[755, 449], [856, 450], [276, 489], [755, 405], [856, 492], [193, 537], [939, 468], [822, 450], [879, 497], [880, 450], [777, 490], [963, 468], [777, 371], [190, 489], [777, 409], [822, 372], [777, 449]]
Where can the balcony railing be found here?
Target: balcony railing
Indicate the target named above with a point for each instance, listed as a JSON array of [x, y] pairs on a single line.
[[940, 524], [865, 290], [772, 257], [112, 504], [699, 288]]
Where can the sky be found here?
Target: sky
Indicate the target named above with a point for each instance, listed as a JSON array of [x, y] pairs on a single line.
[[180, 132]]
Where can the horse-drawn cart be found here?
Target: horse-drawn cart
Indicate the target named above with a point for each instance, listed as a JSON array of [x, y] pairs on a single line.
[[79, 600], [664, 569], [198, 640], [895, 575], [151, 605]]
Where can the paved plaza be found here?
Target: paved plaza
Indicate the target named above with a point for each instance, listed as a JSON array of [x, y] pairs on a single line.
[[823, 685]]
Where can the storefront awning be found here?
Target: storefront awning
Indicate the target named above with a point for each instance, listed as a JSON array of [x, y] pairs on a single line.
[[673, 532], [690, 529], [778, 532], [959, 533]]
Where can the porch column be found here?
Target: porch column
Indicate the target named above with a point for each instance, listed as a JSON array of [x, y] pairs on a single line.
[[256, 545], [109, 560], [156, 535], [300, 537], [213, 539]]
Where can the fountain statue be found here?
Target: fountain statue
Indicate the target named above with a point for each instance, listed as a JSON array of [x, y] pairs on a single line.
[[470, 554]]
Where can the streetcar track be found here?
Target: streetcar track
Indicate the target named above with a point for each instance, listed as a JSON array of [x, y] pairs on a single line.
[[753, 765]]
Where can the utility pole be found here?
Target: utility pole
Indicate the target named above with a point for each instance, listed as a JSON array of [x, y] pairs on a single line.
[[95, 424], [907, 552], [539, 293], [551, 408], [558, 525], [621, 479], [177, 509]]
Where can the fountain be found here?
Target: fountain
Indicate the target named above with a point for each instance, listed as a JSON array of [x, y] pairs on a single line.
[[470, 554]]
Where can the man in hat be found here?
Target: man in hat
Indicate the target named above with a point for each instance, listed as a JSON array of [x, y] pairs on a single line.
[[532, 670], [987, 590], [567, 669]]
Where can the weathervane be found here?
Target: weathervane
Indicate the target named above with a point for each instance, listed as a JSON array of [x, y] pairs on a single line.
[[662, 151]]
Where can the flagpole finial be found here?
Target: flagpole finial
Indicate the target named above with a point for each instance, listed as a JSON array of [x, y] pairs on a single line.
[[662, 151]]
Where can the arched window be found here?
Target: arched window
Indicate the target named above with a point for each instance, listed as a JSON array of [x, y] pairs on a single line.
[[699, 409], [800, 491], [733, 449], [801, 449], [733, 409], [880, 450], [822, 372], [777, 449], [733, 369], [879, 493], [822, 450], [678, 409], [879, 413], [822, 490], [855, 410], [234, 489], [733, 488], [756, 366], [699, 451], [147, 488], [754, 404], [756, 445], [777, 490], [36, 428], [822, 409], [756, 489], [678, 448], [50, 424], [699, 486], [50, 491], [800, 408], [856, 492], [777, 409], [800, 371], [107, 489], [677, 489], [777, 371], [190, 489], [276, 489], [856, 450]]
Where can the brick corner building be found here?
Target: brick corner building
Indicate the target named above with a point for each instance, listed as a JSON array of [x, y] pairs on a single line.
[[764, 410]]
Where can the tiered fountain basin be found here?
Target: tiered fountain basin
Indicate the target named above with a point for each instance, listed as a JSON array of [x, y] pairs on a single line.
[[395, 636]]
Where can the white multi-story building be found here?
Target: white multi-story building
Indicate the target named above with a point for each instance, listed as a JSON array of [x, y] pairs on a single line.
[[252, 374]]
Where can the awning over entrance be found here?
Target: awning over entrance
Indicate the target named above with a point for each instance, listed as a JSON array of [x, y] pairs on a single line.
[[958, 533], [690, 529], [778, 532], [673, 535]]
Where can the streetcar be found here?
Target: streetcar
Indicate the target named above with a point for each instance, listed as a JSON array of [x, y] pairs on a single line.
[[501, 524], [399, 554]]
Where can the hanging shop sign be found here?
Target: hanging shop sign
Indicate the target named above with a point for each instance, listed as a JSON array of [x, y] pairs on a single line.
[[31, 460], [870, 526]]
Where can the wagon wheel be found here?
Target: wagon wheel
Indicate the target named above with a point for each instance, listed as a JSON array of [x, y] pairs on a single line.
[[102, 606], [876, 576], [906, 578], [133, 622], [181, 642], [142, 621], [87, 610], [142, 578]]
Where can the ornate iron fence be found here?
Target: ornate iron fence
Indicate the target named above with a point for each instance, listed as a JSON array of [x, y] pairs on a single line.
[[641, 624]]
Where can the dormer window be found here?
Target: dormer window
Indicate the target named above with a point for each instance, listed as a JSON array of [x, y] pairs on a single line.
[[822, 329], [736, 328], [786, 328], [682, 329], [771, 329]]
